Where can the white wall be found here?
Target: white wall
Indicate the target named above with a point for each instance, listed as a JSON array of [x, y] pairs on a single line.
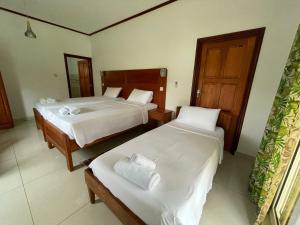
[[167, 38], [277, 45], [28, 65]]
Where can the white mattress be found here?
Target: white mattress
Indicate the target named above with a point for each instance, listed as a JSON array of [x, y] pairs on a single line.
[[98, 120], [186, 159]]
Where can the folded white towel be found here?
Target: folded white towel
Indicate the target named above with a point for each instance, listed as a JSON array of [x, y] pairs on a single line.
[[47, 100], [141, 176], [64, 111], [143, 161], [43, 101], [69, 110], [51, 100], [73, 110]]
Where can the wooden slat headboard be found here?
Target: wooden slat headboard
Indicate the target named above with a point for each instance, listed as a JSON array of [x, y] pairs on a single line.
[[145, 79]]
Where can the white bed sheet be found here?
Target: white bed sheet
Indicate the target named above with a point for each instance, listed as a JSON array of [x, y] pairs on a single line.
[[42, 108], [97, 120], [186, 159]]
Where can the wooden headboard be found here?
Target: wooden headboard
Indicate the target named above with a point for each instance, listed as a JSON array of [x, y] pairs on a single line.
[[145, 79], [225, 120]]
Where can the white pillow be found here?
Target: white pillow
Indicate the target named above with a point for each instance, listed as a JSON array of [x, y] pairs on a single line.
[[112, 92], [198, 117], [140, 96]]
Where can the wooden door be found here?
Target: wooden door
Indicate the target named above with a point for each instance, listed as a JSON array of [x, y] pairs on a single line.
[[85, 78], [225, 68], [6, 120]]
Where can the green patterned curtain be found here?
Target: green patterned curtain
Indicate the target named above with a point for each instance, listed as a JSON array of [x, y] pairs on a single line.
[[280, 138]]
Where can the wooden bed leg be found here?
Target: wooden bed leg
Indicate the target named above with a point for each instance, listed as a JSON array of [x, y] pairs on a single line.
[[91, 195], [69, 159], [44, 135], [43, 130], [50, 146]]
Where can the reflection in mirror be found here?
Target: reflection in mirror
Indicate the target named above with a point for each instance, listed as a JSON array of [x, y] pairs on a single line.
[[74, 77], [79, 75]]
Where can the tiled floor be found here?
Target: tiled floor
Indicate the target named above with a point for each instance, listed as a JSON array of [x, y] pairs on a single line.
[[36, 188]]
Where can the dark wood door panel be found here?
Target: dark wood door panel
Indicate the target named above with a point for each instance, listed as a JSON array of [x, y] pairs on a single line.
[[84, 78], [224, 70], [209, 97], [3, 112], [227, 97], [234, 61], [6, 120], [212, 62]]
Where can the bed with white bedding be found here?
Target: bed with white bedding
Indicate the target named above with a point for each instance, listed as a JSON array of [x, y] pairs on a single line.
[[40, 109], [186, 158], [104, 117], [99, 119]]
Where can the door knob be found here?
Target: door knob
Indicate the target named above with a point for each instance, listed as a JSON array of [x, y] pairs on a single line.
[[198, 93]]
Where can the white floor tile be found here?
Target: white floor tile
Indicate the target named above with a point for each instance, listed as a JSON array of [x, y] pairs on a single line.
[[234, 172], [6, 151], [226, 207], [6, 135], [29, 146], [93, 214], [9, 176], [54, 197], [224, 170], [14, 208], [239, 177], [40, 164]]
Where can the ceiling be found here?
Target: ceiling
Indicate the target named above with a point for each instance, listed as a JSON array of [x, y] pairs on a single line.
[[83, 15]]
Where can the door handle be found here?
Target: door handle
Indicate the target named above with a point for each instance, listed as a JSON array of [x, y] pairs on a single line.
[[198, 93]]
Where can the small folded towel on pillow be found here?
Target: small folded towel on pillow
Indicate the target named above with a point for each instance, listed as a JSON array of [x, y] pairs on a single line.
[[64, 111], [73, 110], [51, 100], [143, 161], [137, 174]]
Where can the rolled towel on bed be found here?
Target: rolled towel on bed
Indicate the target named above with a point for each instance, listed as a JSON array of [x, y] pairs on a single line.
[[43, 101], [143, 161], [64, 111], [137, 174], [73, 110], [50, 100]]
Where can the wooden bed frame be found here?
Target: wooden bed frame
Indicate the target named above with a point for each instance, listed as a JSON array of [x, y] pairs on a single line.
[[39, 121], [125, 215], [146, 79], [95, 187]]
